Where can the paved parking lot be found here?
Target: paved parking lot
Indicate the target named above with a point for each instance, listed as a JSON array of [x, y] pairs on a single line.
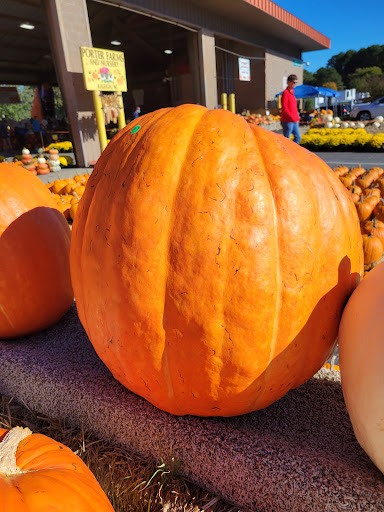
[[352, 159]]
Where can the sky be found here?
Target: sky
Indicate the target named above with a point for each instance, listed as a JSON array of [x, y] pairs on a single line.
[[350, 25]]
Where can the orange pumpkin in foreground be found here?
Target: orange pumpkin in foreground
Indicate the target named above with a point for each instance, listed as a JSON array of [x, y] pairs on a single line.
[[35, 281], [39, 474], [211, 260]]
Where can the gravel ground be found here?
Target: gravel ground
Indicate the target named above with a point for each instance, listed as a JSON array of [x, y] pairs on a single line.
[[297, 455]]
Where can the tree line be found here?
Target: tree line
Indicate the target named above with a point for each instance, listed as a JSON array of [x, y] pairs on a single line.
[[22, 110], [355, 69]]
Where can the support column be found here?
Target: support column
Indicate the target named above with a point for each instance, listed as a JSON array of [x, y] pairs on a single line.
[[193, 59], [69, 29], [207, 60]]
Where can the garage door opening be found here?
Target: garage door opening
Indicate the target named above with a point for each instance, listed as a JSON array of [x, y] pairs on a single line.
[[159, 56]]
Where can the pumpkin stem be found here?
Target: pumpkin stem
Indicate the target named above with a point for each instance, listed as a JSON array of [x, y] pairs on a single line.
[[8, 448]]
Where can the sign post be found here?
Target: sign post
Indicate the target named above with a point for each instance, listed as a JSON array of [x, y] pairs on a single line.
[[100, 120], [121, 116], [104, 70]]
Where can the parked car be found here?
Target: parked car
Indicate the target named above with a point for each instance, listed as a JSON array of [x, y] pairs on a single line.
[[367, 111]]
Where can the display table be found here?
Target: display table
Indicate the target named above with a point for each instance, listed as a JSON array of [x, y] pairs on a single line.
[[299, 454]]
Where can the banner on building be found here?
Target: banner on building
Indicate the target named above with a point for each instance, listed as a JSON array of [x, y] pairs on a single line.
[[244, 69], [103, 70]]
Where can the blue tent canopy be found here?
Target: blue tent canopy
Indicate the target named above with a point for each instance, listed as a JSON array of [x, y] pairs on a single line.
[[309, 91]]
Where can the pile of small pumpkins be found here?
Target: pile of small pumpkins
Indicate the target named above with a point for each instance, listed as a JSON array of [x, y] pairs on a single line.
[[367, 191], [67, 194], [260, 119]]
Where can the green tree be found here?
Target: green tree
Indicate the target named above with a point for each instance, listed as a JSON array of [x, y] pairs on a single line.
[[308, 78], [308, 104], [346, 63], [330, 85], [326, 75], [22, 110], [59, 106], [375, 86], [342, 63], [368, 57], [361, 77]]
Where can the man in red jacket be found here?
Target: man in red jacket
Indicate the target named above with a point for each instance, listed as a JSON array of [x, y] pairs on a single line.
[[289, 116]]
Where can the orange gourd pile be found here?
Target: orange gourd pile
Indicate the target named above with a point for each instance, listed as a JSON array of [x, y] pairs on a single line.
[[211, 260], [35, 283], [367, 191], [67, 193], [39, 474]]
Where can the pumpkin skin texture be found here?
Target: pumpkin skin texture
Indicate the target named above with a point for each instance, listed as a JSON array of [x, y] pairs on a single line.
[[361, 360], [35, 281], [52, 478], [212, 279]]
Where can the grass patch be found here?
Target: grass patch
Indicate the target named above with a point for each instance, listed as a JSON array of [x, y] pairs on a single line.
[[131, 484]]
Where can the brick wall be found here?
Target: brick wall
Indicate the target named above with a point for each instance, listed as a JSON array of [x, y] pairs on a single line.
[[278, 67]]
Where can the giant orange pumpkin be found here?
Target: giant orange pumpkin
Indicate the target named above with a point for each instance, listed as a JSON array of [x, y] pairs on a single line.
[[35, 283], [38, 474], [211, 260]]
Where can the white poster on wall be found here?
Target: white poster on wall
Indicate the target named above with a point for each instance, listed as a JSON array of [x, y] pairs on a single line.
[[244, 69]]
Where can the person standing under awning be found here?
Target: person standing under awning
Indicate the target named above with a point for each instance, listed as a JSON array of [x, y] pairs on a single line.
[[289, 115]]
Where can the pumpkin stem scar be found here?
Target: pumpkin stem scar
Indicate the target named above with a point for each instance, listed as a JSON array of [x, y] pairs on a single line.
[[8, 449]]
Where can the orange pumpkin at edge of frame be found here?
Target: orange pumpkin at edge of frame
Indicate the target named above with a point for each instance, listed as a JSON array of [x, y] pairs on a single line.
[[36, 234], [34, 464], [361, 353]]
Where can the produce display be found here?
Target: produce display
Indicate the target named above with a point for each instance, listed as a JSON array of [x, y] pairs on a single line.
[[260, 119], [361, 352], [39, 164], [210, 269], [39, 474], [35, 284], [367, 192], [42, 166], [64, 147], [342, 139], [67, 194], [27, 162], [54, 160]]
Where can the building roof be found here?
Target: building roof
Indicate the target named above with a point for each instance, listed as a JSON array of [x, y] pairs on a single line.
[[28, 58], [268, 17]]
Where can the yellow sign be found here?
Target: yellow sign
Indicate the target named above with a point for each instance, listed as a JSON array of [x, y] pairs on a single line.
[[103, 70]]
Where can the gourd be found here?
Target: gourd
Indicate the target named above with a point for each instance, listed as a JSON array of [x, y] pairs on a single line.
[[372, 248], [39, 474], [361, 356], [35, 281], [211, 260]]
